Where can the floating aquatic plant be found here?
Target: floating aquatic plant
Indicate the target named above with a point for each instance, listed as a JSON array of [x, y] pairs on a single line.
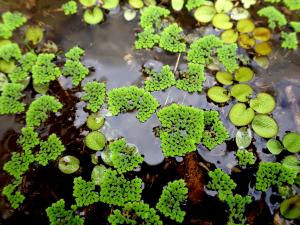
[[94, 95], [243, 137], [70, 7], [45, 71], [182, 129], [224, 78], [273, 174], [292, 162], [10, 99], [296, 26], [50, 149], [10, 22], [93, 16], [39, 109], [123, 156], [129, 98], [68, 164], [146, 39], [264, 126], [95, 121], [292, 4], [229, 36], [241, 92], [14, 196], [10, 51], [205, 13], [240, 115], [243, 74], [152, 15], [84, 192], [274, 16], [177, 5], [289, 40], [290, 208], [159, 81], [263, 103], [58, 214], [192, 79], [75, 53], [95, 140], [171, 199], [215, 132], [34, 35], [172, 39], [116, 190], [218, 94], [131, 212], [274, 146], [193, 4], [222, 21], [28, 139], [227, 54], [291, 142], [245, 157]]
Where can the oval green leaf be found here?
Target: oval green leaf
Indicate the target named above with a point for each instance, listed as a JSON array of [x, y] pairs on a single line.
[[240, 115], [95, 121], [292, 162], [93, 16], [224, 77], [243, 137], [97, 174], [95, 140], [110, 4], [264, 126], [177, 5], [204, 14], [290, 208], [274, 146], [263, 103], [222, 21], [243, 74], [68, 164], [291, 142], [241, 92], [218, 94]]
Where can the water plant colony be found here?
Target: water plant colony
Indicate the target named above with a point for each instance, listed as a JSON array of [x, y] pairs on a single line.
[[235, 43]]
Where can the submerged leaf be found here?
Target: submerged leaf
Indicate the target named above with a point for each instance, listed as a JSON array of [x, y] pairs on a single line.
[[243, 137]]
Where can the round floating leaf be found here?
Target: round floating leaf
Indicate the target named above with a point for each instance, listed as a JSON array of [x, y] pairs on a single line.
[[229, 36], [239, 13], [243, 137], [263, 103], [245, 41], [263, 48], [177, 5], [224, 77], [68, 164], [129, 14], [274, 146], [292, 162], [264, 126], [240, 115], [40, 88], [241, 92], [262, 34], [205, 13], [34, 34], [88, 3], [136, 4], [262, 61], [95, 140], [106, 157], [3, 80], [223, 6], [290, 208], [218, 94], [291, 142], [7, 67], [93, 16], [110, 4], [245, 26], [222, 21], [95, 121], [243, 74], [98, 173]]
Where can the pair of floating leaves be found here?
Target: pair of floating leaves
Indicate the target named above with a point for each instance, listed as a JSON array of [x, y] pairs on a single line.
[[291, 142], [242, 74]]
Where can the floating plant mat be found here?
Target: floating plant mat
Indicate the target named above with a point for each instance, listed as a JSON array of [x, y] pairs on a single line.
[[210, 171]]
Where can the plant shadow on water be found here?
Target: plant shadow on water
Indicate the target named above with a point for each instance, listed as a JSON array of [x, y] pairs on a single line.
[[109, 51]]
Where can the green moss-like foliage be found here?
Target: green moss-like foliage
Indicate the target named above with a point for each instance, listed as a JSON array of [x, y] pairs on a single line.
[[151, 16], [75, 53], [240, 115], [39, 108], [237, 205], [95, 140], [131, 212], [264, 126], [70, 8], [84, 192], [227, 55], [182, 128], [19, 163], [291, 142], [45, 71], [10, 51], [245, 157], [146, 39], [273, 174], [159, 81], [116, 190], [14, 197], [193, 4], [171, 199], [289, 40], [58, 215], [214, 131], [221, 182], [49, 150], [296, 26], [28, 139], [129, 98], [172, 39], [192, 79], [21, 72], [124, 157], [292, 4], [10, 99], [11, 21], [94, 95], [275, 17], [201, 49]]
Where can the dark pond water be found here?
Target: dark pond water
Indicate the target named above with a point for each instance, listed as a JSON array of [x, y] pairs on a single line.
[[110, 53]]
